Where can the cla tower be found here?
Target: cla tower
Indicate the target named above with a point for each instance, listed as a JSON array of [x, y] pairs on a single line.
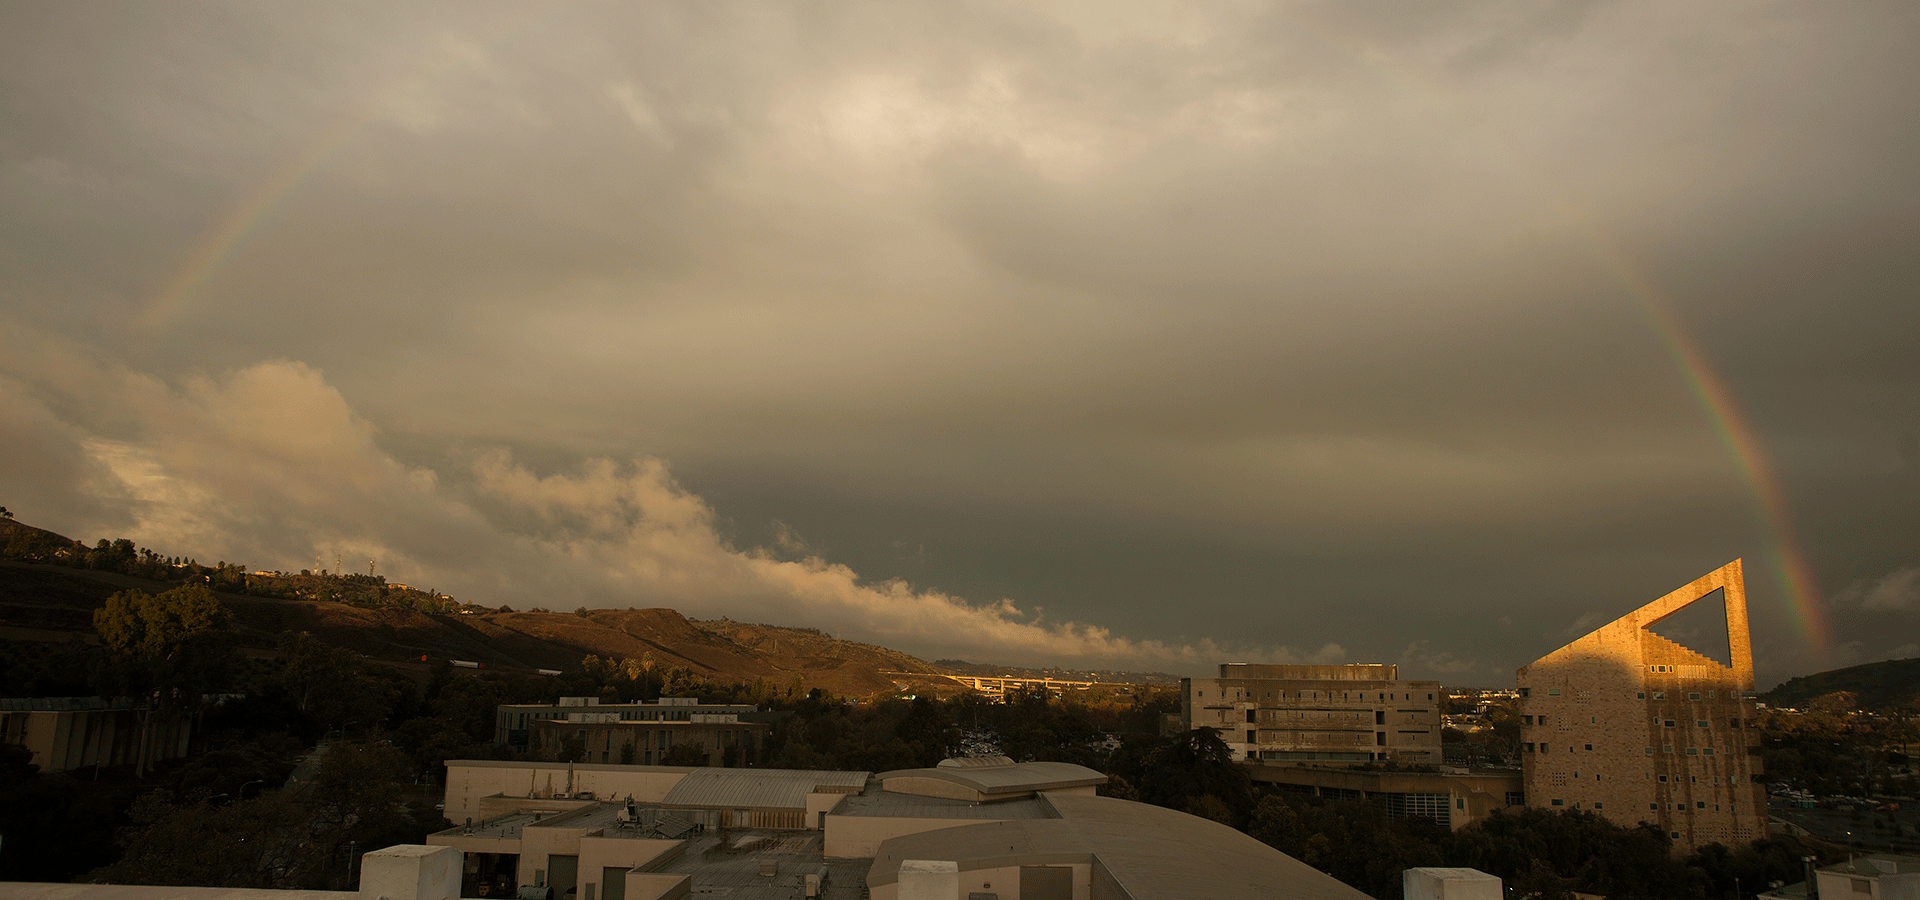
[[1638, 728]]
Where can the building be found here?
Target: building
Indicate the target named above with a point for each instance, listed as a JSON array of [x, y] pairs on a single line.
[[513, 722], [1343, 715], [1879, 876], [66, 733], [968, 827], [637, 733], [1452, 796], [1638, 728]]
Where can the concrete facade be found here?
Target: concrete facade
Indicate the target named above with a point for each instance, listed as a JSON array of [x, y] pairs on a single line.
[[1317, 714], [513, 722], [1635, 727], [724, 740], [67, 733], [1454, 798]]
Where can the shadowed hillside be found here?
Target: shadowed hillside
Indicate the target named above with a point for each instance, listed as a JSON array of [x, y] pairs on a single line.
[[47, 603], [1876, 686]]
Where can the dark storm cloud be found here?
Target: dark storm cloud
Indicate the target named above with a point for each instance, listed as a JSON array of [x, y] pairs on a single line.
[[1222, 329]]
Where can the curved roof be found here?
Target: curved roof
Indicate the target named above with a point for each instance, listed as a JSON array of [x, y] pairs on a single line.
[[1149, 851], [1005, 778]]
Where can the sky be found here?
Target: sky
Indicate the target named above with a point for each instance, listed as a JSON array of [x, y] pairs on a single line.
[[1126, 335]]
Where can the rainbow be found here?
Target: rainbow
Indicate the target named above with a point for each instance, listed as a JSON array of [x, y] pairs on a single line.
[[1711, 392], [1708, 388]]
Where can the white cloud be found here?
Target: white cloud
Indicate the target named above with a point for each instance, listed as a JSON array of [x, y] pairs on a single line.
[[271, 465]]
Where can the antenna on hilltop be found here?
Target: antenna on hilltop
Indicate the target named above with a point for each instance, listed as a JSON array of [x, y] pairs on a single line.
[[370, 568]]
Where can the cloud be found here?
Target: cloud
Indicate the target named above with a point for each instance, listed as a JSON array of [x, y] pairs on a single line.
[[270, 464], [1420, 656], [1896, 591]]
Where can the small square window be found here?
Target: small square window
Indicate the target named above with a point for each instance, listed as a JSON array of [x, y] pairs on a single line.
[[1589, 747], [1649, 751], [1599, 805], [1663, 779], [1700, 804], [1666, 748], [1640, 696], [1653, 806]]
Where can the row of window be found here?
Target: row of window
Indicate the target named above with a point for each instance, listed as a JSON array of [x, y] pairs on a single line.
[[1638, 695], [1542, 747], [1310, 695]]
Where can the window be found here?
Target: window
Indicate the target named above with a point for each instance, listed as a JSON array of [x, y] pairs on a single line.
[[1861, 886], [1559, 802], [1699, 723], [1599, 805], [1459, 803], [1524, 692], [1695, 695], [1668, 723], [1709, 695], [1693, 751], [1653, 806], [1527, 719], [1649, 751], [1553, 692], [1666, 748], [1659, 695], [1700, 804], [1707, 750], [1663, 779], [1640, 696], [1589, 748]]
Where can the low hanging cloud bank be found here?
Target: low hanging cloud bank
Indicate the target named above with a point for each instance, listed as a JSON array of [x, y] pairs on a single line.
[[272, 465]]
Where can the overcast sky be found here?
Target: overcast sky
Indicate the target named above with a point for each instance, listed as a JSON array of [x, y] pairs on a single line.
[[1110, 334]]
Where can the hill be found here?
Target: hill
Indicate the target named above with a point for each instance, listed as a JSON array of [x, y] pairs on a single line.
[[48, 603], [1876, 686]]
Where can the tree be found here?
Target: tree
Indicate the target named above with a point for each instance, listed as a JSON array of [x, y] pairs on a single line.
[[172, 650]]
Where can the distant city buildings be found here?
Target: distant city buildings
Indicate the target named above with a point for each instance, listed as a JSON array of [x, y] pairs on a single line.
[[1637, 728]]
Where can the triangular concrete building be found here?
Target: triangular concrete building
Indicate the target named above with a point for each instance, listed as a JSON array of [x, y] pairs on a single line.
[[1637, 728]]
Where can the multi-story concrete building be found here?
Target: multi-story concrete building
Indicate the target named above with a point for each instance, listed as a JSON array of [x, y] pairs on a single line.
[[1638, 728], [1318, 714]]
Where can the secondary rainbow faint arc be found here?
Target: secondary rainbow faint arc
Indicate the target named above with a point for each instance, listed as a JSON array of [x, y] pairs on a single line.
[[218, 244]]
